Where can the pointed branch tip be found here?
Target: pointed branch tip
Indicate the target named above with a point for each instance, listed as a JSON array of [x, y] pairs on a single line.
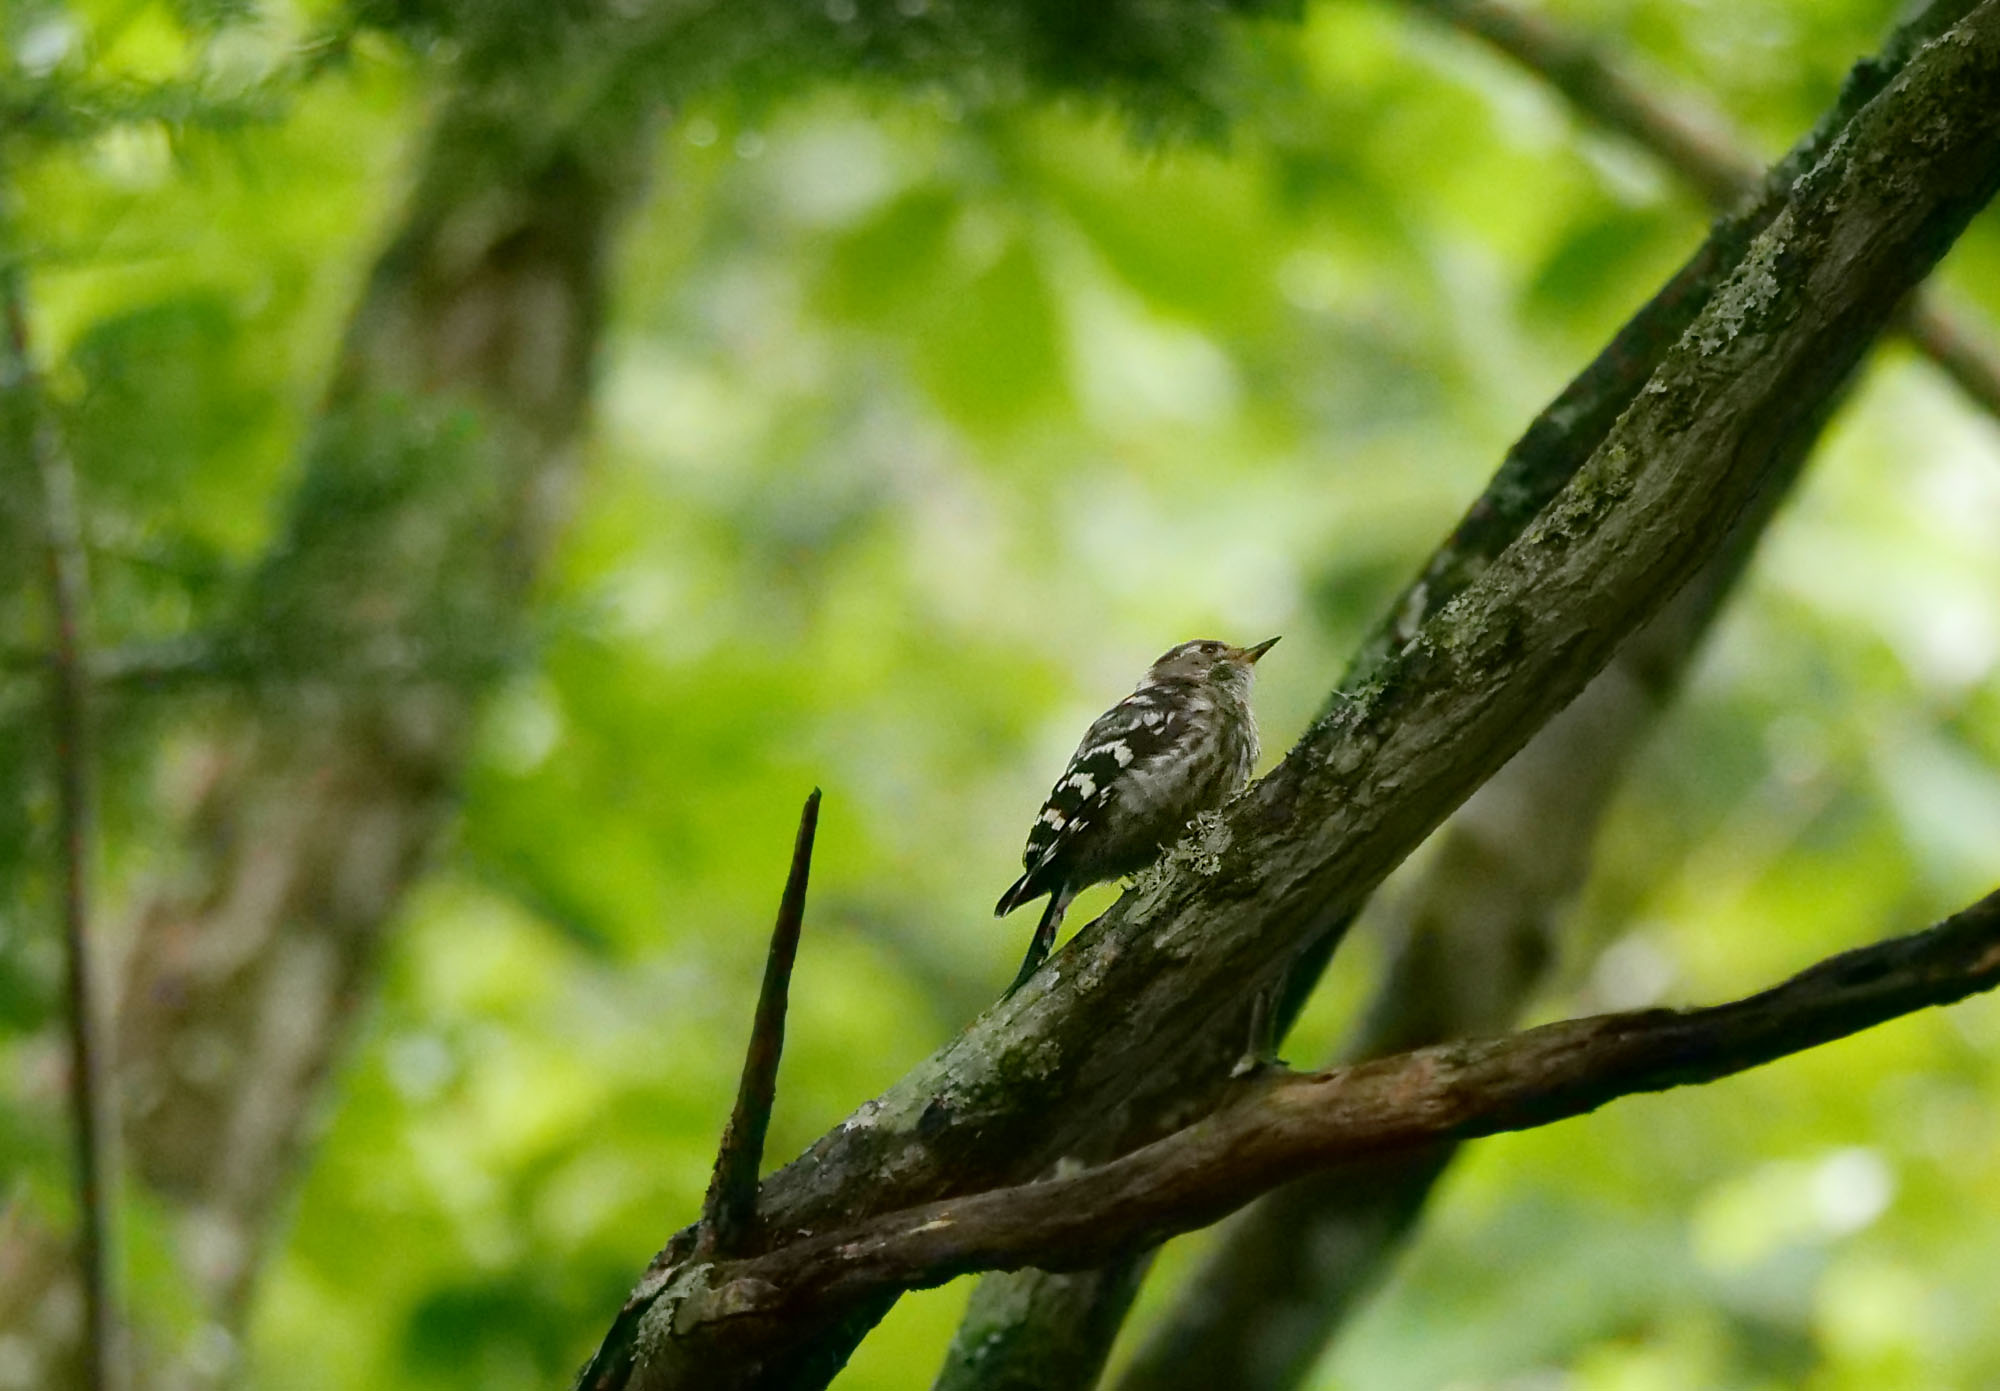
[[730, 1209]]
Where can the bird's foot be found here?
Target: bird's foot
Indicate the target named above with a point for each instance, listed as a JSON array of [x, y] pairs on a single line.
[[1253, 1065]]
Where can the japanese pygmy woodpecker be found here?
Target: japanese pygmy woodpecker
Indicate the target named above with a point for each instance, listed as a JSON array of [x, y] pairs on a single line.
[[1182, 743]]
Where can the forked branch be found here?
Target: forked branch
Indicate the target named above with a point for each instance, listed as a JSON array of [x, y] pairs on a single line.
[[1293, 1124]]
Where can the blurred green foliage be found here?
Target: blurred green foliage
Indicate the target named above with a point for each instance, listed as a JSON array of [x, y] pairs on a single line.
[[960, 359]]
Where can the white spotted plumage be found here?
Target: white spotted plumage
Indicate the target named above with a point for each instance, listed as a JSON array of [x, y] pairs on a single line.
[[1184, 741]]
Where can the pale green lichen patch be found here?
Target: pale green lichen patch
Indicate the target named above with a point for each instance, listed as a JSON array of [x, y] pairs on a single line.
[[1208, 839], [1030, 1059], [664, 1320], [864, 1117], [1591, 497], [1094, 966], [1200, 851], [1744, 303], [1410, 616], [1040, 1061]]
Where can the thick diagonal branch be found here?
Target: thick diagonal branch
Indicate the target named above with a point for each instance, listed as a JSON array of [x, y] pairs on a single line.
[[1119, 1027], [1048, 1331], [1572, 426], [1481, 925], [1479, 934], [1698, 146]]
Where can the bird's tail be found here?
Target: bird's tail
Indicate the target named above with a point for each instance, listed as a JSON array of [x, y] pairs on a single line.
[[1023, 890], [1044, 938]]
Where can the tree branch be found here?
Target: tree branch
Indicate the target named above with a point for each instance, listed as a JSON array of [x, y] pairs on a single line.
[[1480, 932], [1695, 143], [93, 1114], [1043, 1330], [731, 1205], [1541, 461], [1267, 1297], [1120, 1033], [1698, 146], [1962, 349], [1281, 1127], [1054, 1330], [1218, 1329], [1572, 426]]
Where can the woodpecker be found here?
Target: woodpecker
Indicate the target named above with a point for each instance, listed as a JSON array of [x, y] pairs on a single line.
[[1182, 743]]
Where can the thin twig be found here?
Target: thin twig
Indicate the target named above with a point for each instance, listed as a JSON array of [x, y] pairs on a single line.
[[93, 1115], [731, 1206], [1698, 146], [1961, 351], [141, 664]]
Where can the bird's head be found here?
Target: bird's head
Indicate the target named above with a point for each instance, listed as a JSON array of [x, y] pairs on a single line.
[[1208, 660]]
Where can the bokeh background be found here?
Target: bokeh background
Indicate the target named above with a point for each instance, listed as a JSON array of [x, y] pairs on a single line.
[[926, 411]]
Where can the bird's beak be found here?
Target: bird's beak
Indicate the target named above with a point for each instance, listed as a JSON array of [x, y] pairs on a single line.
[[1251, 654]]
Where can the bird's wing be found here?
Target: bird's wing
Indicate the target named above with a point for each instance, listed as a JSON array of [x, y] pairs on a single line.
[[1138, 729]]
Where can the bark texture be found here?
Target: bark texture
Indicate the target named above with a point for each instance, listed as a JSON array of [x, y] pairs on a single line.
[[1698, 146], [1039, 1330]]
